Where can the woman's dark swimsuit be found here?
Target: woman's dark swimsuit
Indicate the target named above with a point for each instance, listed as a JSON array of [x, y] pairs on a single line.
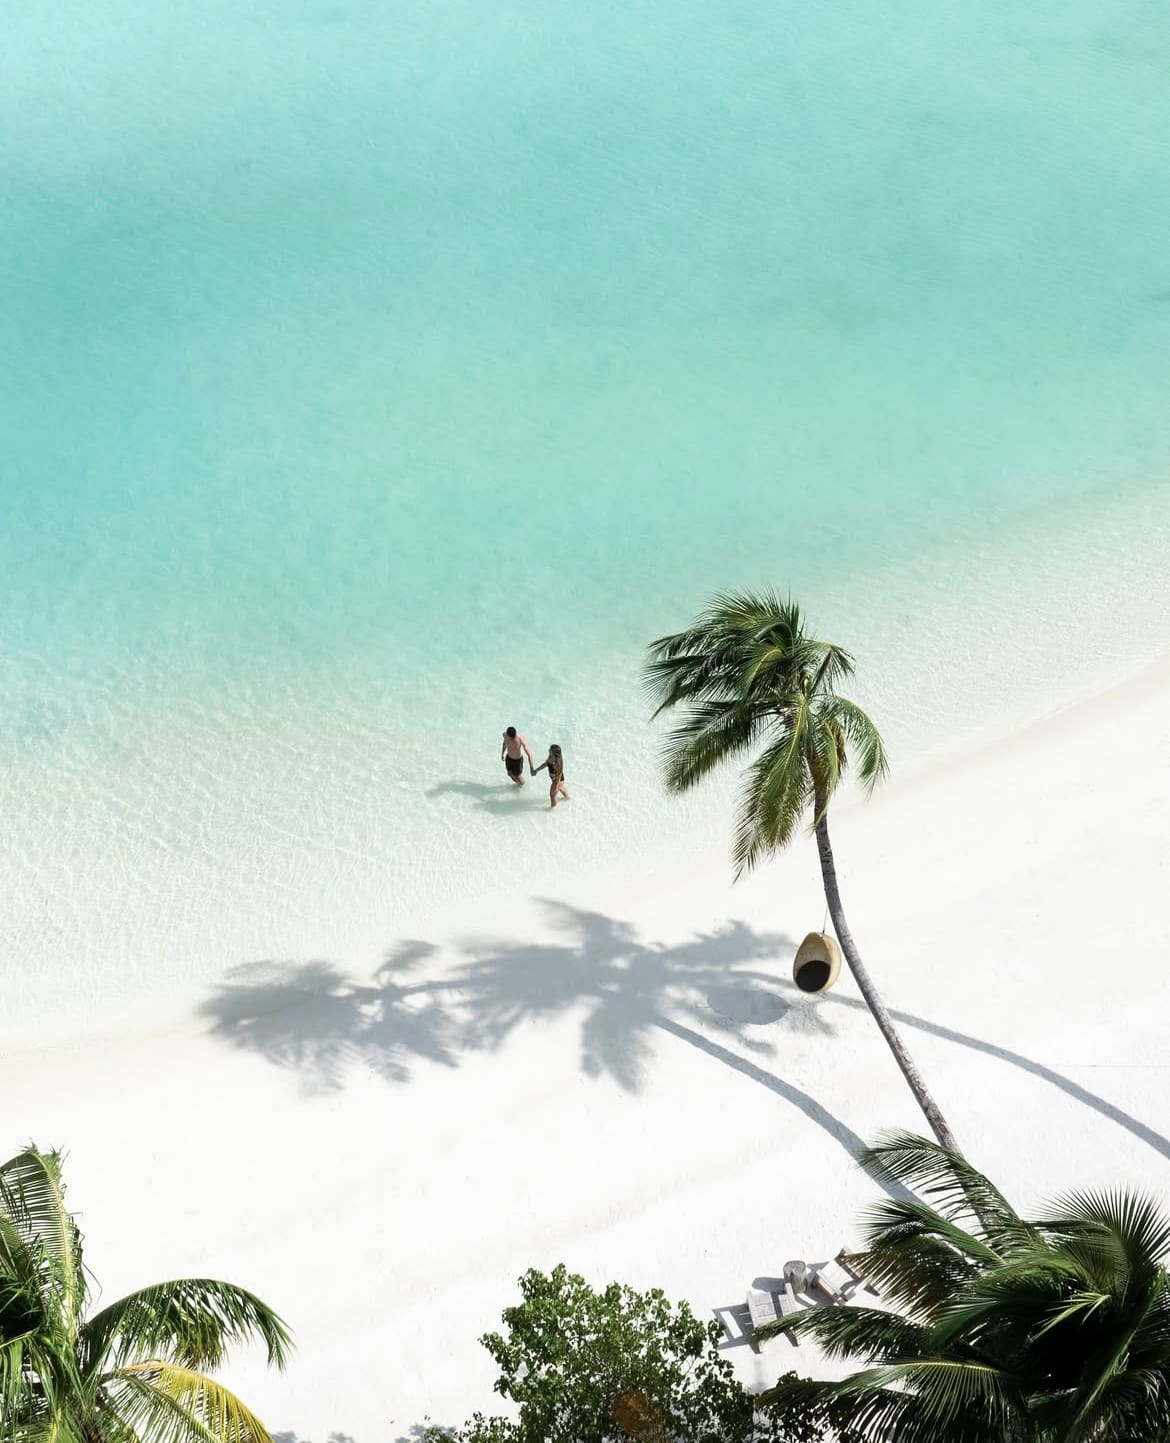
[[515, 766]]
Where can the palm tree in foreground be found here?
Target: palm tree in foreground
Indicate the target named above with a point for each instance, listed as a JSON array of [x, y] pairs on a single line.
[[1050, 1331], [746, 676], [130, 1373]]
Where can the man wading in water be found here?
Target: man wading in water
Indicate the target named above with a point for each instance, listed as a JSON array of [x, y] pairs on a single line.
[[512, 754]]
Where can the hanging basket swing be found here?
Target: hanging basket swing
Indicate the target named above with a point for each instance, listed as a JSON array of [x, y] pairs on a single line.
[[817, 963]]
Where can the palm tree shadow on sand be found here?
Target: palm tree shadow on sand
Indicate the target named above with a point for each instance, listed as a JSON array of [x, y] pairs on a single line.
[[322, 1024], [631, 990]]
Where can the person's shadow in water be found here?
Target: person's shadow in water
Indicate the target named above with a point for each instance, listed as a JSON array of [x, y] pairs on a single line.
[[504, 799]]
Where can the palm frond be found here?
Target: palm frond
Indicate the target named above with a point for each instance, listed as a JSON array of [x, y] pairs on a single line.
[[25, 1303], [1100, 1256], [753, 613], [39, 1390], [1106, 1380], [872, 764], [780, 662], [1080, 1305], [1139, 1226], [746, 673], [867, 1413], [709, 734], [36, 1353], [949, 1391], [52, 1385], [21, 1397], [32, 1198], [918, 1258], [165, 1403], [773, 798], [692, 668], [1016, 1299], [957, 1189], [1134, 1404], [893, 1222], [14, 1243], [827, 762], [707, 660], [43, 1426], [833, 664], [854, 1331], [192, 1321]]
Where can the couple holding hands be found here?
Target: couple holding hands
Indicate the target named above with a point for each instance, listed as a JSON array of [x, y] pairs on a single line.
[[514, 749]]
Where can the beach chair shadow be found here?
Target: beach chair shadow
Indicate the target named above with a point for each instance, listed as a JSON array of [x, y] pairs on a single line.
[[771, 1300], [736, 1322]]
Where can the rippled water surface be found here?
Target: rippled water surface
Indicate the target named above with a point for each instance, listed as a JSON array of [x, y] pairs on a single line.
[[376, 374]]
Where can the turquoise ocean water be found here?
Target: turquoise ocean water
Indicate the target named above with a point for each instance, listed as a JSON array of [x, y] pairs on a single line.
[[376, 373]]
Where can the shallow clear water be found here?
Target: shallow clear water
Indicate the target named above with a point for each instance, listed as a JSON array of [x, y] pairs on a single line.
[[378, 374]]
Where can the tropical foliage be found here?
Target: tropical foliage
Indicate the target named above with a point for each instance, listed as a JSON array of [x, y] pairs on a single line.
[[1050, 1330], [747, 680], [747, 675], [604, 1367], [132, 1372]]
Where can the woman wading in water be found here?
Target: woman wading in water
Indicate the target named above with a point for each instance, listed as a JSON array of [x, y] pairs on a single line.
[[555, 763]]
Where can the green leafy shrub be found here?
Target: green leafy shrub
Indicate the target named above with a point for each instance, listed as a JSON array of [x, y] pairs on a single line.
[[584, 1366]]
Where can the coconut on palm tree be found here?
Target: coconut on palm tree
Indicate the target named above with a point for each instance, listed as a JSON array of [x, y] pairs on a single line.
[[1055, 1330], [132, 1372], [747, 679]]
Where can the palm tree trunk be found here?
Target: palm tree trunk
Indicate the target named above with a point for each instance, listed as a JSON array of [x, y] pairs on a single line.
[[938, 1123]]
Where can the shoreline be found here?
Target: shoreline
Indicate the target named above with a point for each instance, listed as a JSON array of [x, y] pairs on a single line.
[[624, 1078], [151, 850], [636, 882]]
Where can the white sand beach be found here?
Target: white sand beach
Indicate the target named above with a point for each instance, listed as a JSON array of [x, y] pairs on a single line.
[[623, 1078]]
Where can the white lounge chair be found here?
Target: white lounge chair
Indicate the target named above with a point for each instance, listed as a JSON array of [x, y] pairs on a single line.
[[833, 1280], [789, 1305], [767, 1307], [761, 1307]]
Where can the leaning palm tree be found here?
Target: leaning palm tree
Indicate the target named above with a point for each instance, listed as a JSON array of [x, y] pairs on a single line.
[[129, 1373], [747, 678], [1055, 1330]]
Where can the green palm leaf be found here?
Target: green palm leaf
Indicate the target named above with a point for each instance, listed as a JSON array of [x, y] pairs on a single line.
[[708, 736], [895, 1220], [867, 1412], [958, 1190], [1139, 1226], [32, 1198], [774, 799], [949, 1392], [864, 739], [132, 1373], [1022, 1331], [164, 1403], [191, 1320], [871, 1334]]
